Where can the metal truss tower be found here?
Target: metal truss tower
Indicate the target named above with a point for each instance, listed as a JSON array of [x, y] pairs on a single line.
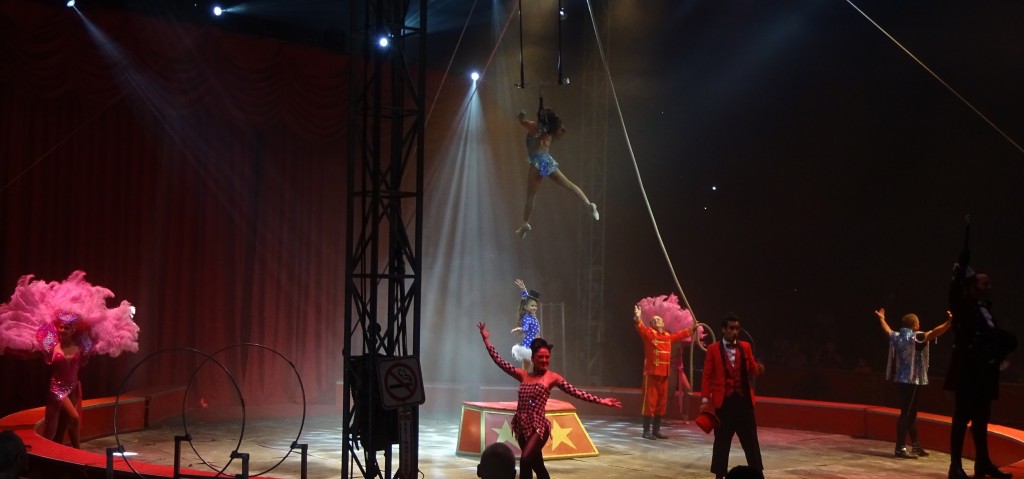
[[593, 158], [384, 224]]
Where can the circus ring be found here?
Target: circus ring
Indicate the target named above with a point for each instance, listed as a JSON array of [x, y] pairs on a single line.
[[1006, 444], [135, 412], [139, 409]]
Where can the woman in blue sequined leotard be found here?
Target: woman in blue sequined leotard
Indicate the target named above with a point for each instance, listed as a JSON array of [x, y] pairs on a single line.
[[539, 136], [529, 424]]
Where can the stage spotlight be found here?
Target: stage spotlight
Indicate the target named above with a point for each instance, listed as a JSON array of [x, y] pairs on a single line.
[[217, 11], [561, 14], [71, 4], [383, 42], [474, 76]]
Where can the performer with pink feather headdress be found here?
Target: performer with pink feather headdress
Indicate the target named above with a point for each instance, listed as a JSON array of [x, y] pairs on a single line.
[[65, 323], [652, 317]]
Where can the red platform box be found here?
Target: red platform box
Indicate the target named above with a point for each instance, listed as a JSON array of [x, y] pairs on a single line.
[[485, 423]]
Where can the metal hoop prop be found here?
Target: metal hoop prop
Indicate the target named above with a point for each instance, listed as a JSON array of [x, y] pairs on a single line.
[[707, 329], [750, 339], [302, 388], [117, 401], [920, 337], [184, 423]]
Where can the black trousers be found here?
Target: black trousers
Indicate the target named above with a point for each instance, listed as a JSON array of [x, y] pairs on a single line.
[[907, 423], [736, 417], [974, 406]]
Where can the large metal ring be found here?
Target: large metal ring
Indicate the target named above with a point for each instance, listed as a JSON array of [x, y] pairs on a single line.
[[707, 329], [302, 389], [124, 383]]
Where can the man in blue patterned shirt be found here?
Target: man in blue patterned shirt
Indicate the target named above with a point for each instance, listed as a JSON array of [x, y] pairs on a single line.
[[908, 368]]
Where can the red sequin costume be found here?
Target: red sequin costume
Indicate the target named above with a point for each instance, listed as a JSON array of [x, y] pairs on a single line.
[[533, 399]]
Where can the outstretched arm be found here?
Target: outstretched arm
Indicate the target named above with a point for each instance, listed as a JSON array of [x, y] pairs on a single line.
[[940, 329], [581, 394], [504, 365], [880, 312], [682, 334]]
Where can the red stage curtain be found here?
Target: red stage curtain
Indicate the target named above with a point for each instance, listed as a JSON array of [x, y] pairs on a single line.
[[198, 174]]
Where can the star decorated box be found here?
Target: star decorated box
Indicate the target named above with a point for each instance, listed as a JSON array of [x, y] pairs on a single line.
[[484, 423]]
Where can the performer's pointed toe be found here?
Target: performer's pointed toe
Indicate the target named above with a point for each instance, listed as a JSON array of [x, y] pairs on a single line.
[[523, 229]]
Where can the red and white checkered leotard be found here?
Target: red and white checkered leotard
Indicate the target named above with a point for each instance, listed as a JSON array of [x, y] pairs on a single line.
[[533, 399]]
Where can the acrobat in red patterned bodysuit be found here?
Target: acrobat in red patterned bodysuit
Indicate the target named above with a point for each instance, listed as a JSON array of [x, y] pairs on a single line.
[[533, 399]]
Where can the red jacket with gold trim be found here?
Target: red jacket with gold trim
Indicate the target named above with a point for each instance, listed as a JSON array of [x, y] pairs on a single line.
[[658, 348]]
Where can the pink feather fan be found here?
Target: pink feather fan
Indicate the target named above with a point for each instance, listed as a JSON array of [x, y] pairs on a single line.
[[36, 304], [667, 306]]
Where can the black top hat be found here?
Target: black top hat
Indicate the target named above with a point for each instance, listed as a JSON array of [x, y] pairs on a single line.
[[531, 294]]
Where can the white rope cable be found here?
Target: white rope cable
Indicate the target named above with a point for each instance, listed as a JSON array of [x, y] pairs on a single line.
[[483, 71], [636, 168], [938, 78], [447, 70]]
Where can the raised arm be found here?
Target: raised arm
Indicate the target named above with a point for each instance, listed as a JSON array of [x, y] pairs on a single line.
[[641, 328], [522, 287], [880, 312], [504, 365], [581, 394], [528, 124], [940, 329]]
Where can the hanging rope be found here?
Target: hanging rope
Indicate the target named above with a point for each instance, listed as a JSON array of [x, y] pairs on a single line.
[[450, 60], [636, 168], [522, 68], [938, 78]]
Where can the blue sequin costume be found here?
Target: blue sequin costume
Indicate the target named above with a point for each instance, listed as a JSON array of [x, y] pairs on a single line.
[[911, 358], [530, 326], [530, 329], [533, 400], [540, 158]]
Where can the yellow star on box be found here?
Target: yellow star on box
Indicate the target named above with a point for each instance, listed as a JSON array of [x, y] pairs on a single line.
[[559, 435], [504, 433]]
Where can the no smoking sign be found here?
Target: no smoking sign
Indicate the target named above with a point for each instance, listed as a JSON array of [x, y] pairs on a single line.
[[401, 382]]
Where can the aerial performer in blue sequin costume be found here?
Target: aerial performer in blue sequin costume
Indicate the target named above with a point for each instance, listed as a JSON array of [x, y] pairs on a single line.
[[539, 136], [65, 323], [529, 327], [529, 424]]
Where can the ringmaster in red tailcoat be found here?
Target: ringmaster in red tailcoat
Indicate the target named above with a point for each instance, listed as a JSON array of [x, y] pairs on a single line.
[[727, 389]]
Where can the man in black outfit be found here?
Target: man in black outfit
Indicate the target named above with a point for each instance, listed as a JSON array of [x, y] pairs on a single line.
[[979, 353]]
